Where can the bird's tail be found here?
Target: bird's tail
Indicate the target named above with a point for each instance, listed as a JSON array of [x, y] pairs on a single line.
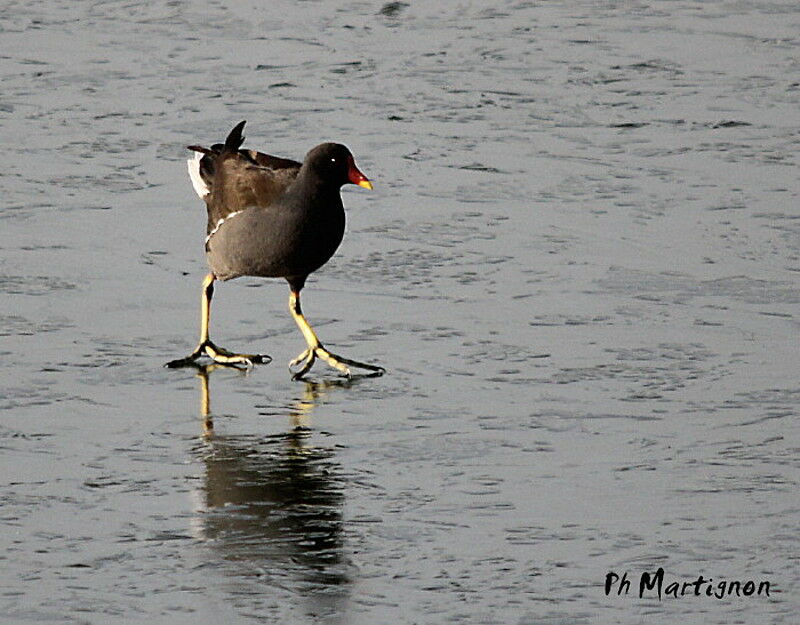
[[201, 167], [235, 138]]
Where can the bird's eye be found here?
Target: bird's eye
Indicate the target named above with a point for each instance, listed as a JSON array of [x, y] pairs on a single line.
[[333, 160]]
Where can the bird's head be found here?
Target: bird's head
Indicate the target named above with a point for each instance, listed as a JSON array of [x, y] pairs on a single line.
[[334, 163]]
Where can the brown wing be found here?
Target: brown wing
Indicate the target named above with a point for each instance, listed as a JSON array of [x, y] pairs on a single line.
[[238, 179], [240, 182]]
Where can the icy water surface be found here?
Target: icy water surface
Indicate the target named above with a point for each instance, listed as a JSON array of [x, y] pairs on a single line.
[[579, 265]]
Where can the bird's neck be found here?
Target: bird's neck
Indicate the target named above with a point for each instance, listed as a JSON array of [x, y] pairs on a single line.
[[310, 188]]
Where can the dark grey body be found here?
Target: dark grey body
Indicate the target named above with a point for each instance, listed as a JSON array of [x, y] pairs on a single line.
[[277, 241]]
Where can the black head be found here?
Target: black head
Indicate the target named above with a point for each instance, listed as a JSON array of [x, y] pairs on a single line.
[[334, 164]]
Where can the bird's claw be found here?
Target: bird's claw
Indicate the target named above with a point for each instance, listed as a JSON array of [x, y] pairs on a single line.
[[220, 356], [341, 364]]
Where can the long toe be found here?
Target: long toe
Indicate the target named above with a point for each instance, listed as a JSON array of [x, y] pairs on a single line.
[[307, 358], [374, 369], [187, 361], [343, 364], [337, 362], [300, 358], [225, 357], [180, 362]]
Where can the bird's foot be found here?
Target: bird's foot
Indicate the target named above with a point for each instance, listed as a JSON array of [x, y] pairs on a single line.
[[221, 356], [339, 363]]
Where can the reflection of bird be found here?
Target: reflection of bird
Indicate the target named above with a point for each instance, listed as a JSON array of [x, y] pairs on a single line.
[[274, 502], [273, 218], [299, 413]]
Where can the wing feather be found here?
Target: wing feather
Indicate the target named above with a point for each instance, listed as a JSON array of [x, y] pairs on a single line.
[[230, 179]]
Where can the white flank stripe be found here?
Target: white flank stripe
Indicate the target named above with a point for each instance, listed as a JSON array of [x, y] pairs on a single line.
[[220, 222], [194, 173]]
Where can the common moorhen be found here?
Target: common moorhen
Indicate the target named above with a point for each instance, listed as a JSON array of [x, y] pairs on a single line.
[[273, 218]]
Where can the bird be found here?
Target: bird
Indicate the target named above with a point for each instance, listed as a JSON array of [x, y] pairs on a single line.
[[271, 217]]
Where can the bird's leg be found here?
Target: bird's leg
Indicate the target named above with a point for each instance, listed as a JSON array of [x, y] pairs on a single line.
[[206, 346], [316, 349]]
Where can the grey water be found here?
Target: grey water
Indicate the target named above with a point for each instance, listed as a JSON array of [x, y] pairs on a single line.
[[580, 266]]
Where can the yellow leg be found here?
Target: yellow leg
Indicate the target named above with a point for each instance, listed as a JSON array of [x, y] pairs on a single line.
[[316, 349], [206, 346], [205, 306]]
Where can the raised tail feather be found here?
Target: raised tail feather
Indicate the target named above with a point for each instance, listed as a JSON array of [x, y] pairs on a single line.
[[235, 138], [201, 167]]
